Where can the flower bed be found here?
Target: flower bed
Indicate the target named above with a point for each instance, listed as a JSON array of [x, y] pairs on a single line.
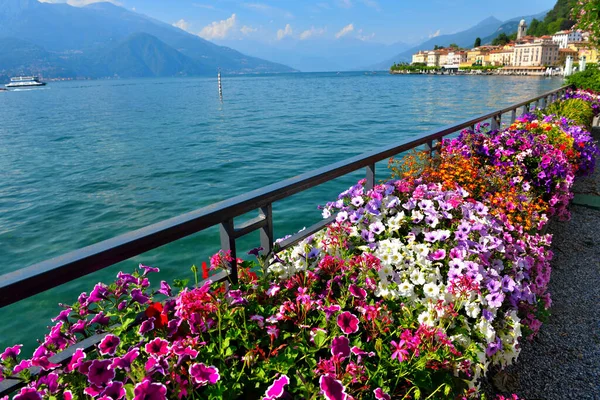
[[417, 288]]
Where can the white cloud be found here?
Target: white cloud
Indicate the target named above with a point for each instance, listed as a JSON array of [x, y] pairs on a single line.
[[81, 3], [312, 32], [206, 6], [220, 29], [345, 30], [372, 4], [269, 10], [284, 32], [246, 30], [435, 34], [182, 24]]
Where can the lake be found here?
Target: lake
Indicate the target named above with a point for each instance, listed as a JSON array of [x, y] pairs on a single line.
[[85, 161]]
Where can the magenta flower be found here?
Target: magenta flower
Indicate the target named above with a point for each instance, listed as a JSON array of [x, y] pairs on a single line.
[[62, 316], [340, 346], [357, 292], [332, 388], [98, 293], [273, 331], [150, 391], [11, 352], [158, 347], [100, 372], [24, 364], [114, 390], [438, 254], [138, 296], [28, 394], [277, 388], [109, 345], [44, 363], [165, 289], [100, 319], [381, 395], [399, 351], [125, 361], [204, 375], [148, 269], [347, 322], [329, 311], [67, 395]]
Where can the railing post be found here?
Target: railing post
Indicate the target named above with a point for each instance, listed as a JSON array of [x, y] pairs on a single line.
[[526, 108], [370, 177], [496, 120], [543, 103], [266, 233], [228, 244], [513, 116]]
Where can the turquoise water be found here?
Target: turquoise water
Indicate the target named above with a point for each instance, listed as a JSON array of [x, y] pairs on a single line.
[[85, 161]]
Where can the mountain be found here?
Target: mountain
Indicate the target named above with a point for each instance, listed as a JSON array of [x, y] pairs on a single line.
[[143, 55], [319, 54], [83, 36], [464, 39], [511, 26]]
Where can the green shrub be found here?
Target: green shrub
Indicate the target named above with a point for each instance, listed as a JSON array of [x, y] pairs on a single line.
[[588, 79], [577, 110]]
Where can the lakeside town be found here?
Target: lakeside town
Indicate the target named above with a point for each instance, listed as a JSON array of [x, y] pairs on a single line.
[[560, 54]]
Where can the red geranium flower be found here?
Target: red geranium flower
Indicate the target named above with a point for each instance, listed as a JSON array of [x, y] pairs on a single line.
[[160, 317]]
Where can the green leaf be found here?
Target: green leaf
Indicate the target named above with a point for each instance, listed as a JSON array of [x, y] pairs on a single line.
[[320, 338], [417, 393], [129, 391]]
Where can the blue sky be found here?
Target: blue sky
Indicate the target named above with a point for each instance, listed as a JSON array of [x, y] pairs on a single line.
[[385, 21]]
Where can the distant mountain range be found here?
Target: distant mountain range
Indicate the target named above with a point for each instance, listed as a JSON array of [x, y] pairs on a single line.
[[104, 40], [487, 30], [320, 54]]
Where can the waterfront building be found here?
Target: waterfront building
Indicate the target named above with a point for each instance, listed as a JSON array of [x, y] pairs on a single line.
[[420, 57], [455, 59], [563, 38], [522, 30], [564, 53], [502, 57], [540, 52], [590, 53]]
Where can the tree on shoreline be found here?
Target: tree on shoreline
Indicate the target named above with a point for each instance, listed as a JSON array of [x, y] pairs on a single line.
[[477, 42]]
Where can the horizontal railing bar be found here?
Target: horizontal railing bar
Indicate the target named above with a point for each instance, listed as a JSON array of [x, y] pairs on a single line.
[[298, 237], [26, 282], [250, 226]]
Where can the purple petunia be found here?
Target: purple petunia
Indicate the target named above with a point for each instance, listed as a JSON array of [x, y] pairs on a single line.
[[438, 254], [165, 289], [100, 319], [109, 345], [377, 228], [76, 360], [114, 390], [347, 322], [100, 372], [148, 269], [204, 375], [332, 388], [125, 361], [138, 296], [146, 326], [146, 390], [277, 388]]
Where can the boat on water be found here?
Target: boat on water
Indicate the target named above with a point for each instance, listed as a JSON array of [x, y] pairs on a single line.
[[24, 82]]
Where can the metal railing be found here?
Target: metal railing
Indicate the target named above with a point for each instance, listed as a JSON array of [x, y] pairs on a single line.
[[24, 283]]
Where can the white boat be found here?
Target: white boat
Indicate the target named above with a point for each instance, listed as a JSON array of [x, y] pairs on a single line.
[[24, 82]]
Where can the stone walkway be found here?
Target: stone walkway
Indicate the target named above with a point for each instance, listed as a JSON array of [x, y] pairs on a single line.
[[563, 362]]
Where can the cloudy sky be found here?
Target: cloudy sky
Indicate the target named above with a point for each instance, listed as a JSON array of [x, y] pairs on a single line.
[[385, 21]]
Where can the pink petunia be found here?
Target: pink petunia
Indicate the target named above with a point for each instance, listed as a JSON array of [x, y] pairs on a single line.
[[158, 347], [28, 394], [332, 388], [277, 388], [381, 395], [204, 375], [11, 352], [125, 361], [347, 322], [357, 291], [109, 345], [147, 390]]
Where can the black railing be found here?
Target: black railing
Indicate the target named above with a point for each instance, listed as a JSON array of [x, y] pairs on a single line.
[[24, 283]]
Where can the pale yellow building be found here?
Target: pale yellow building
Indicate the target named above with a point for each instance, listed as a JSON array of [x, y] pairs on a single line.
[[540, 52], [502, 57], [420, 57]]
